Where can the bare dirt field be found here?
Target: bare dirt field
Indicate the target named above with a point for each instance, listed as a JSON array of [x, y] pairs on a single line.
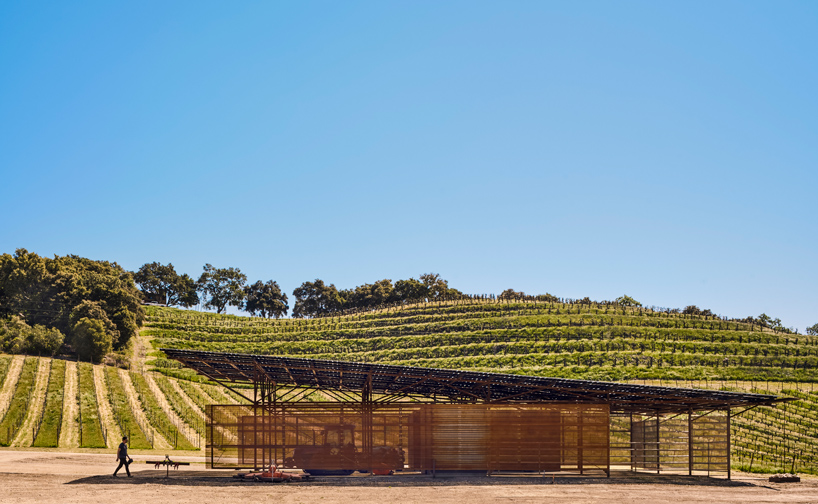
[[59, 477]]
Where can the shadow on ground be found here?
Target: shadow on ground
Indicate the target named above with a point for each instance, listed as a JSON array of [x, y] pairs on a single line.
[[207, 478]]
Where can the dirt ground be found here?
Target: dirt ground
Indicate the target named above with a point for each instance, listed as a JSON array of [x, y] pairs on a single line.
[[59, 477]]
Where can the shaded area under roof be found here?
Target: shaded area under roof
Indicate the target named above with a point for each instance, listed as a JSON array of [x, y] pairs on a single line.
[[449, 385]]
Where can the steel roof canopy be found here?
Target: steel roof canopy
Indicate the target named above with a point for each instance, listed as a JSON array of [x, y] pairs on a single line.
[[455, 385]]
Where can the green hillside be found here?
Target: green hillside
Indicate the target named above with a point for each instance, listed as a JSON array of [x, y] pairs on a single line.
[[605, 342], [576, 340], [81, 405]]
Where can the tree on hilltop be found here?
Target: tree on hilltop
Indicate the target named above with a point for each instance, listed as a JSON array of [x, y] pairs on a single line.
[[409, 290], [695, 310], [813, 330], [222, 287], [265, 299], [511, 294], [368, 295], [164, 283], [316, 298], [435, 285], [627, 301]]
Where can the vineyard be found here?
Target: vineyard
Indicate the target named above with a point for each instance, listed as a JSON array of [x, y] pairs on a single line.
[[163, 407], [106, 402], [572, 340]]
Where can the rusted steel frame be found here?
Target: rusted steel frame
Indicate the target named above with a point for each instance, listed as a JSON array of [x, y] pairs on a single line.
[[745, 410], [287, 369], [366, 420], [233, 365], [690, 442], [675, 406], [225, 385], [298, 394], [700, 415], [506, 398], [396, 398], [729, 472], [263, 385], [645, 392], [665, 420], [208, 364], [423, 380], [394, 380], [340, 396], [261, 371], [315, 375], [621, 397], [457, 389]]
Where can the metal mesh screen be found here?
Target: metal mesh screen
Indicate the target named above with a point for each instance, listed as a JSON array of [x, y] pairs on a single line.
[[679, 443], [341, 437]]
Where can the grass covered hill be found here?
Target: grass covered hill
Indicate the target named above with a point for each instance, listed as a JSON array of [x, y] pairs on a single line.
[[65, 404], [574, 340], [579, 340]]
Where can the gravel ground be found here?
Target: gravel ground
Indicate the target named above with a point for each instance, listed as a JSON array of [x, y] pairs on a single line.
[[52, 477]]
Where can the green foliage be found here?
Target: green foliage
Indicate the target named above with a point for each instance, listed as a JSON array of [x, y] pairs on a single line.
[[695, 310], [222, 287], [5, 361], [368, 295], [18, 337], [265, 299], [179, 405], [91, 435], [20, 401], [627, 301], [584, 339], [511, 294], [157, 416], [410, 290], [48, 433], [436, 287], [316, 298], [90, 339], [45, 291], [92, 310], [813, 330], [163, 284], [201, 400], [121, 407]]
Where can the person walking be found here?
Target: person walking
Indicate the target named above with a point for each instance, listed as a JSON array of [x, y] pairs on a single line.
[[122, 457]]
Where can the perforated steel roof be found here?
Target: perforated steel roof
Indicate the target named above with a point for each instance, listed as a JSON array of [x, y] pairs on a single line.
[[449, 385]]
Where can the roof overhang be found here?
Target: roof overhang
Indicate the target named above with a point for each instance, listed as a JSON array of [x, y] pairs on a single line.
[[449, 385]]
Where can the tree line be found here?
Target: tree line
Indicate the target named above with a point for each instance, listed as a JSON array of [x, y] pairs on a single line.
[[218, 288], [94, 307]]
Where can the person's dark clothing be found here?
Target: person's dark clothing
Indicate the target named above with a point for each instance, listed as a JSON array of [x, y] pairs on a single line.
[[122, 453], [122, 456], [123, 462]]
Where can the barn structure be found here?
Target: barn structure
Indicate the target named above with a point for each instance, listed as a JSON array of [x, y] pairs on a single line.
[[336, 417]]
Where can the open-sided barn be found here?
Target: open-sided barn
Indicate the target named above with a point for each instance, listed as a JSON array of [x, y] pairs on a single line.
[[337, 417]]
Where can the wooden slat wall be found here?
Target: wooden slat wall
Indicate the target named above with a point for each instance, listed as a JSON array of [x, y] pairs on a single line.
[[440, 437]]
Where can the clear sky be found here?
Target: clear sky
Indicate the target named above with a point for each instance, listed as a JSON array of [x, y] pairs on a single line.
[[664, 150]]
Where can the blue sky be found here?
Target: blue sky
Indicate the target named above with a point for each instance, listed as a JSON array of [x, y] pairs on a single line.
[[663, 150]]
